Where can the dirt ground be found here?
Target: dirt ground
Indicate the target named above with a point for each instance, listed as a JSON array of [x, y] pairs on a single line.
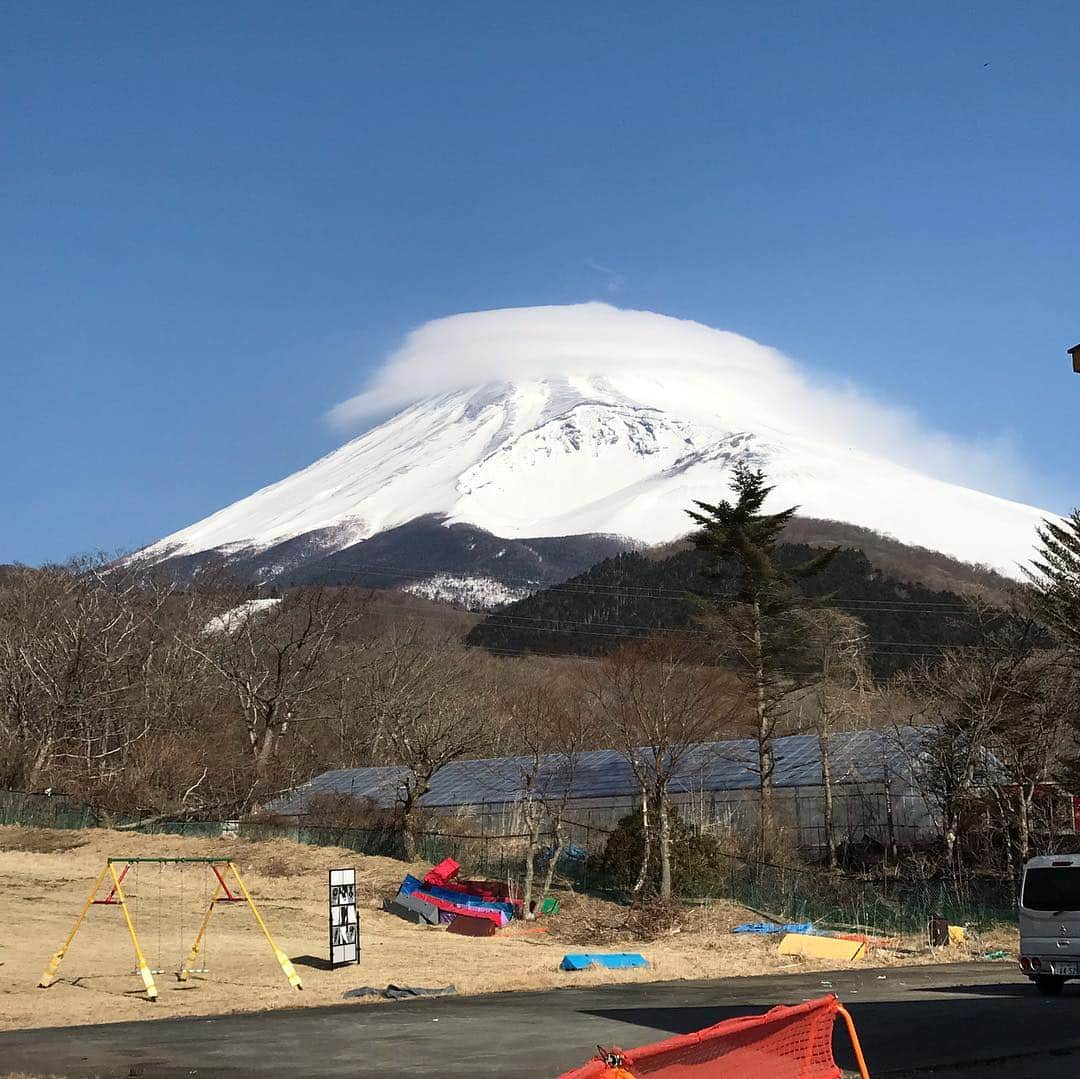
[[46, 875]]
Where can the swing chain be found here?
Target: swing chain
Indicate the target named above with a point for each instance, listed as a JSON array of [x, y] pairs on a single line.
[[160, 913]]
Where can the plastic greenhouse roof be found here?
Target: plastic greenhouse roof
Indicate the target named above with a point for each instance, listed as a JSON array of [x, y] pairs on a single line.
[[855, 757]]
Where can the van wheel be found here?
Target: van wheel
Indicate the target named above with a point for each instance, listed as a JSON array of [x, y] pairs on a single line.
[[1050, 985]]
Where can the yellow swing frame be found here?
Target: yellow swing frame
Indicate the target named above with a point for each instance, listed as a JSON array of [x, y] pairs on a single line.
[[217, 866]]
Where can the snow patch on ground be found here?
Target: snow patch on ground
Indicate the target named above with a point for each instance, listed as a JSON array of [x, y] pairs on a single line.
[[475, 593], [234, 618]]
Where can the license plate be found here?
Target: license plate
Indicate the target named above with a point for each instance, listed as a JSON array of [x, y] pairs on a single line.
[[1068, 970]]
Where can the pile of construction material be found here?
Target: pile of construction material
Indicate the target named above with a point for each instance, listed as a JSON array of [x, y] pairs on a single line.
[[807, 941], [473, 908]]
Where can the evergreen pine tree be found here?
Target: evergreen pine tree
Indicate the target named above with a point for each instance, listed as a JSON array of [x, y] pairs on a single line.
[[1055, 580], [758, 623]]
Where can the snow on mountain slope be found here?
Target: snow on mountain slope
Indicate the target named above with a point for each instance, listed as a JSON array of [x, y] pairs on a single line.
[[619, 451], [475, 593]]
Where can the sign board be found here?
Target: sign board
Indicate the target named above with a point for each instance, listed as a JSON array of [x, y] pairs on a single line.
[[344, 921]]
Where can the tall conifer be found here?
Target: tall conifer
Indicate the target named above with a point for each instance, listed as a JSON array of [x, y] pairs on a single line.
[[758, 624]]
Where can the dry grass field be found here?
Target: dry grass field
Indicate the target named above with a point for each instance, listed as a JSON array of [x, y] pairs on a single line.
[[45, 877]]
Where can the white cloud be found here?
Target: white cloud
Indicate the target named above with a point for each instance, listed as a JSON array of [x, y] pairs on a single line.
[[704, 368], [613, 280]]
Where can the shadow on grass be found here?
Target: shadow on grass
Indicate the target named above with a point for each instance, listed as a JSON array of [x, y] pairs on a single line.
[[315, 962]]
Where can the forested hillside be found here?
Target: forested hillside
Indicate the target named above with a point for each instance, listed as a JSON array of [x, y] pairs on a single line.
[[635, 594]]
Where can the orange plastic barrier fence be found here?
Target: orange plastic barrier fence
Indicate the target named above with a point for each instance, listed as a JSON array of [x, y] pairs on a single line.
[[786, 1043]]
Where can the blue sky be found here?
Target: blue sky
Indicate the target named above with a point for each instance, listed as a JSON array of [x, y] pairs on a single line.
[[217, 218]]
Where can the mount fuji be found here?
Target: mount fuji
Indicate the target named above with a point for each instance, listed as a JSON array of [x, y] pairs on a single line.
[[607, 425]]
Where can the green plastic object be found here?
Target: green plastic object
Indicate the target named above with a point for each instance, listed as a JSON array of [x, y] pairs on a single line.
[[1000, 953], [549, 906]]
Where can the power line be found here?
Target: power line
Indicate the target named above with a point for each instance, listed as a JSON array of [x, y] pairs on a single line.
[[499, 619], [529, 653], [886, 648], [632, 591], [555, 625]]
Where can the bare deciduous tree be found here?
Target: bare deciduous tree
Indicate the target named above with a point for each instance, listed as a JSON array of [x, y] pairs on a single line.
[[658, 704], [78, 653], [1035, 744], [428, 708], [971, 697], [837, 698], [273, 656], [550, 732]]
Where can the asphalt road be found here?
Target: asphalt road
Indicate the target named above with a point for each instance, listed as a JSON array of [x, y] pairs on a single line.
[[968, 1020]]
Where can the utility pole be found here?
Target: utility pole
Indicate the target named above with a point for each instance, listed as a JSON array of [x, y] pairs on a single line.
[[1075, 353]]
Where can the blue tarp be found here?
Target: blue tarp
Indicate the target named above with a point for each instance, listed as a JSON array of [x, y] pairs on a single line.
[[571, 851], [584, 960], [772, 927]]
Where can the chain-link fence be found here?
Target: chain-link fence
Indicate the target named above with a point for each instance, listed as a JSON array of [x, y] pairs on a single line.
[[44, 811], [480, 849], [792, 893], [798, 894]]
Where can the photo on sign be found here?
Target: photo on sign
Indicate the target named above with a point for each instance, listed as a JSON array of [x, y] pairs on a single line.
[[343, 915], [343, 893], [344, 934]]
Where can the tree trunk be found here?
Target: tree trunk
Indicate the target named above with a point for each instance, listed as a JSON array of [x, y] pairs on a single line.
[[530, 866], [414, 789], [646, 843], [951, 844], [408, 832], [1005, 814], [890, 817], [556, 854], [764, 735], [264, 742], [826, 783], [1023, 822], [664, 833], [407, 824], [37, 768]]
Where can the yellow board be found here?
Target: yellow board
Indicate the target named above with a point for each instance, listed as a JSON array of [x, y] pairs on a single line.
[[814, 947]]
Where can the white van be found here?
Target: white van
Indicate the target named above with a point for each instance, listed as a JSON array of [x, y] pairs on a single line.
[[1050, 921]]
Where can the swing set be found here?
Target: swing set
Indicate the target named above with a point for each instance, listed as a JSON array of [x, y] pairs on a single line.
[[218, 871]]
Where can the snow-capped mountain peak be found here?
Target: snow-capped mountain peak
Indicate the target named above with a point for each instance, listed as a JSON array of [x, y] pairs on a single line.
[[599, 450]]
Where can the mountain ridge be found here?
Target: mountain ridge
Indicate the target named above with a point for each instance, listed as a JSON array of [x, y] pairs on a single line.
[[635, 594], [576, 464]]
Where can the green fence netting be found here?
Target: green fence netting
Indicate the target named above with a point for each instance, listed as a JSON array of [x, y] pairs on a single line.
[[792, 893], [44, 811], [799, 894]]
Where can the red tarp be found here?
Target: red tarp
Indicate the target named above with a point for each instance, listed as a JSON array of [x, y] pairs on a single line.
[[498, 917], [442, 876], [443, 873], [494, 891], [469, 926]]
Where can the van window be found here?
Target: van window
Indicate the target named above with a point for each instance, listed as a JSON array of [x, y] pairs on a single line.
[[1052, 889]]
